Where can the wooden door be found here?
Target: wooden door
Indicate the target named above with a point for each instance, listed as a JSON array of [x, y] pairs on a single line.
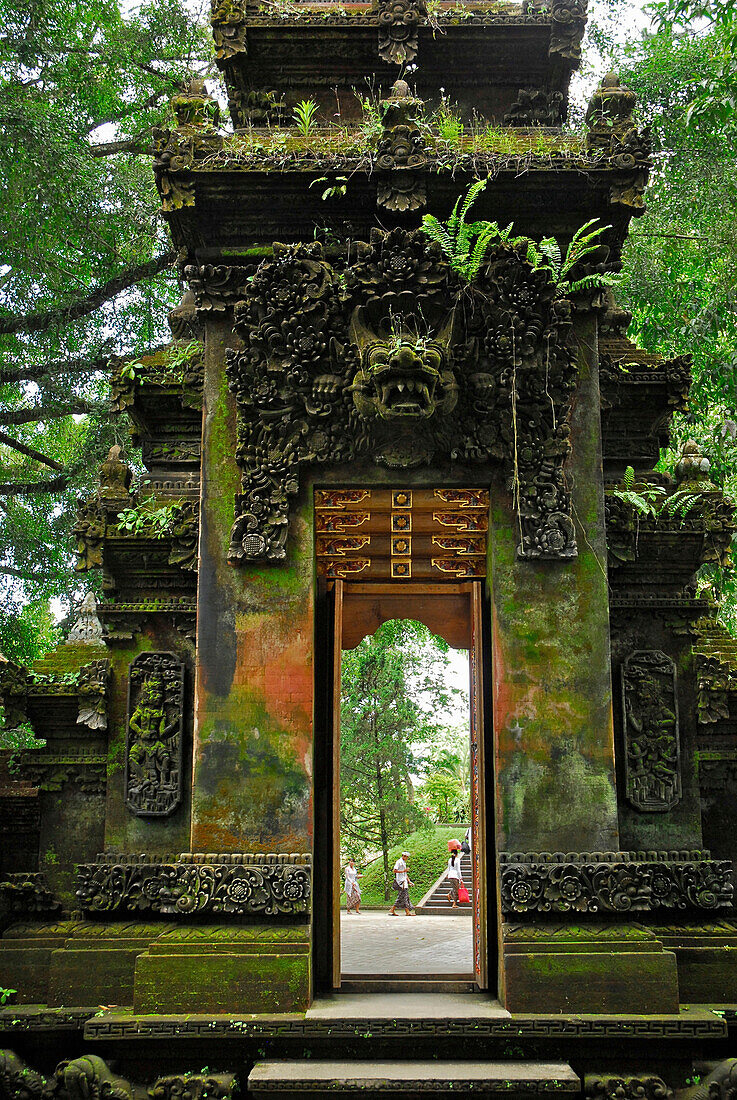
[[478, 791]]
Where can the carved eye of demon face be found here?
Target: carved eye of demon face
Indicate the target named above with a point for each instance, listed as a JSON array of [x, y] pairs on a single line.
[[403, 379]]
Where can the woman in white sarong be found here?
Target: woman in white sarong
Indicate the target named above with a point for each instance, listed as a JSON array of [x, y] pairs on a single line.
[[352, 889]]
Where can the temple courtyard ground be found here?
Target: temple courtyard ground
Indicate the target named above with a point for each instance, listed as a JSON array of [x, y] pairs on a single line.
[[375, 943]]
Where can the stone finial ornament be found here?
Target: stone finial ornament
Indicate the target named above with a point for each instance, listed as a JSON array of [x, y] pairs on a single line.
[[693, 465], [115, 475], [183, 318], [194, 108], [609, 115], [401, 152], [87, 629]]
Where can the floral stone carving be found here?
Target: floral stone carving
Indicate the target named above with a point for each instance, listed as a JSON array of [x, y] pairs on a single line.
[[399, 21], [226, 887], [651, 735], [612, 882], [194, 1086], [376, 360], [643, 1087], [92, 683], [153, 755]]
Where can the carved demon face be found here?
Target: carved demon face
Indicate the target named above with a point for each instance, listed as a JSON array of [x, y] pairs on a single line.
[[402, 377]]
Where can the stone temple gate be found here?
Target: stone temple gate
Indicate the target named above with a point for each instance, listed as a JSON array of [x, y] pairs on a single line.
[[355, 424]]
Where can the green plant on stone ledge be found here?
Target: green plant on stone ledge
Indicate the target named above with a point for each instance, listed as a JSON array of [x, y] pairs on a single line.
[[654, 500], [466, 245], [447, 122], [6, 994], [304, 116], [335, 190], [172, 366], [145, 519]]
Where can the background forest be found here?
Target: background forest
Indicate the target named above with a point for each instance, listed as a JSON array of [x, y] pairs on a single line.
[[86, 271]]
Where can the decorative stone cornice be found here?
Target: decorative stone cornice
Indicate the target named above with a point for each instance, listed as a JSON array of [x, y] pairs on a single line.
[[613, 882], [239, 887]]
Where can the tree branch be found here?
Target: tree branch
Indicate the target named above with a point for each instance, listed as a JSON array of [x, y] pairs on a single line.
[[40, 322], [29, 452], [33, 416], [126, 145], [55, 366], [50, 485], [20, 573]]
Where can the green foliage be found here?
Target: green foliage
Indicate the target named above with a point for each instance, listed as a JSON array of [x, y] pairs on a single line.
[[654, 500], [146, 519], [174, 362], [467, 244], [19, 737], [81, 85], [428, 850], [6, 994], [393, 684], [446, 788], [447, 122], [680, 258], [547, 255], [304, 116], [28, 631], [714, 96], [334, 190]]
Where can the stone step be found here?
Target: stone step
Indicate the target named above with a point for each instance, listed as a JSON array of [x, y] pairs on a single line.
[[449, 983], [445, 910], [289, 1080]]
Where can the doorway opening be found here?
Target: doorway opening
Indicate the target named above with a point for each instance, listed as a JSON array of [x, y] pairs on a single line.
[[406, 757]]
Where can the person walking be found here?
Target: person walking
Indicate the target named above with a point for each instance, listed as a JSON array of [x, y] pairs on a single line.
[[352, 889], [453, 877], [402, 883]]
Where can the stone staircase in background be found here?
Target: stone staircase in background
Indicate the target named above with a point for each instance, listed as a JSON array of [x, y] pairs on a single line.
[[437, 899]]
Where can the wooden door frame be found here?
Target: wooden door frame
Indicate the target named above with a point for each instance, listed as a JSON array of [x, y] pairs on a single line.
[[331, 596]]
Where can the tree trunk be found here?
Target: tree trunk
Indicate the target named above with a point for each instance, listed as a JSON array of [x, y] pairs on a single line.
[[379, 798]]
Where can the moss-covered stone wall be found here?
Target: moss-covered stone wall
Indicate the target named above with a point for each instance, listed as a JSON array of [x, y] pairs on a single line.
[[253, 741], [552, 712]]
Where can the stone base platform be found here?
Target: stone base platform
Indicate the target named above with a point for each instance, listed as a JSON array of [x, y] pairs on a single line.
[[289, 1080]]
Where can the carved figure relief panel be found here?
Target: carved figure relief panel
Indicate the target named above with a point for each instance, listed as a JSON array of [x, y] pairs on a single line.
[[652, 754], [387, 355], [154, 738]]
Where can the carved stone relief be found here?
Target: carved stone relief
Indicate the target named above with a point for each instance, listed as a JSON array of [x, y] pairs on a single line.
[[399, 21], [612, 882], [651, 733], [375, 360], [154, 741], [224, 887]]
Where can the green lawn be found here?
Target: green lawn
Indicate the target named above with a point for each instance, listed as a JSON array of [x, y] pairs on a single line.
[[429, 849]]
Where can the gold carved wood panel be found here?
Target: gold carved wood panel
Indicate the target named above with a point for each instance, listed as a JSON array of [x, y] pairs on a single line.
[[401, 534]]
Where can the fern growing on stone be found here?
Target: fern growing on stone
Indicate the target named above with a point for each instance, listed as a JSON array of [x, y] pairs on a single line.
[[466, 245]]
